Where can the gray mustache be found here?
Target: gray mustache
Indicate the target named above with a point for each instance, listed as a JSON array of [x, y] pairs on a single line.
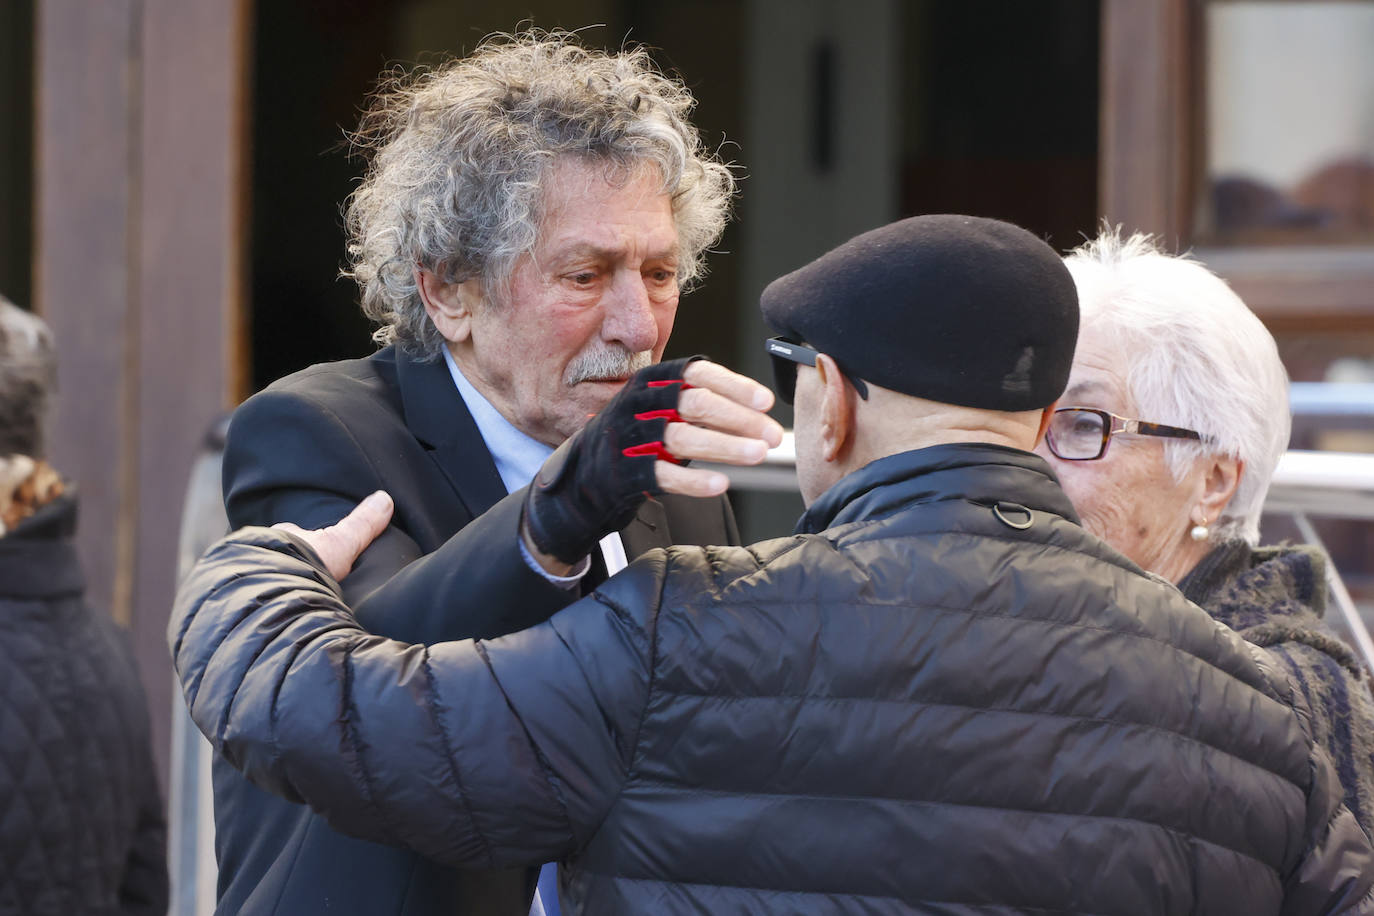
[[614, 362]]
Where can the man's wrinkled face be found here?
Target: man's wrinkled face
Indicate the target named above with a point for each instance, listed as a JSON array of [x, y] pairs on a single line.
[[594, 302]]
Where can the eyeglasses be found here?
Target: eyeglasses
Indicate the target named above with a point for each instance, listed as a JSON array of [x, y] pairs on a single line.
[[1083, 433], [786, 355]]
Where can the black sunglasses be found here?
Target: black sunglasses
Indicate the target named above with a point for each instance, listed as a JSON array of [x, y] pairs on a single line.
[[786, 354]]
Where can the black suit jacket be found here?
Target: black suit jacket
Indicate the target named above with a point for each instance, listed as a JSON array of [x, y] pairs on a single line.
[[306, 450]]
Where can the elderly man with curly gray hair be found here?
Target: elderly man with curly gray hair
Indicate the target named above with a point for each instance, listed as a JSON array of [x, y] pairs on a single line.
[[529, 218]]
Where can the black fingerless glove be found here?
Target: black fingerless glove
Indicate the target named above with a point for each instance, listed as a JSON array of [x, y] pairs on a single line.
[[595, 482]]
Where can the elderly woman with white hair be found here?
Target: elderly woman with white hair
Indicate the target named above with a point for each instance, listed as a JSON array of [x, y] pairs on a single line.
[[1166, 438]]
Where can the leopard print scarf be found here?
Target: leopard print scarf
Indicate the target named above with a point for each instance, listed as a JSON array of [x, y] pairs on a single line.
[[26, 485]]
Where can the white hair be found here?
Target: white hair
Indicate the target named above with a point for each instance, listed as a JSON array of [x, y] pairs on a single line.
[[1195, 356]]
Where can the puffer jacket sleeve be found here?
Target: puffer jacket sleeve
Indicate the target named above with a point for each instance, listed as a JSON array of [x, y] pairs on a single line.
[[416, 746], [583, 705], [1335, 873]]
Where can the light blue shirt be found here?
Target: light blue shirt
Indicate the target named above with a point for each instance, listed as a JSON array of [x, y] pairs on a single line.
[[518, 458]]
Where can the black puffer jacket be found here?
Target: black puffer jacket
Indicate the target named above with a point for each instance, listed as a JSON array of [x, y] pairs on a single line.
[[81, 824], [924, 706]]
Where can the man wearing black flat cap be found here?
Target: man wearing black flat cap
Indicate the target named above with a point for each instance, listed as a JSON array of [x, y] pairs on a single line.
[[940, 695]]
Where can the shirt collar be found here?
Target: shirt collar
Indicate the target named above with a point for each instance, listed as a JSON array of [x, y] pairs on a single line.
[[517, 455]]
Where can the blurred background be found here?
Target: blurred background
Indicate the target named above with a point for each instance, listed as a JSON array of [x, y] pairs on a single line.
[[171, 174]]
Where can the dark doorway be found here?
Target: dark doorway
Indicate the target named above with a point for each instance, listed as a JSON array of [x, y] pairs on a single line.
[[1001, 114], [313, 66], [16, 151]]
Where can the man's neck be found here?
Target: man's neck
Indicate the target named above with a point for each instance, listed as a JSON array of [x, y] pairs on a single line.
[[516, 454], [896, 423]]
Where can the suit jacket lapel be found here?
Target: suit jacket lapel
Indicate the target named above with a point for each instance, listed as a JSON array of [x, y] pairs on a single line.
[[436, 414], [647, 530]]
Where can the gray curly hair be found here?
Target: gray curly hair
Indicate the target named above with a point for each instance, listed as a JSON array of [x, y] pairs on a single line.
[[28, 378], [457, 157]]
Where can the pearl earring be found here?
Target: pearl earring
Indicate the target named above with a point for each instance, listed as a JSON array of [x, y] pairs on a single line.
[[1200, 532]]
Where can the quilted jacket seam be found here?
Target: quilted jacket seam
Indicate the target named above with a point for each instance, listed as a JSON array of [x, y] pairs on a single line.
[[935, 803], [997, 907], [995, 615], [636, 747], [432, 707], [350, 734], [997, 709]]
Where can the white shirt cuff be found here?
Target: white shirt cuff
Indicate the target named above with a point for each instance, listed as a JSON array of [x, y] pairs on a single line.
[[568, 581]]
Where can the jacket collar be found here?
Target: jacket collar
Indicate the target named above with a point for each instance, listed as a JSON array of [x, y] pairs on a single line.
[[647, 530], [1270, 596], [437, 416], [440, 420], [38, 558], [975, 472]]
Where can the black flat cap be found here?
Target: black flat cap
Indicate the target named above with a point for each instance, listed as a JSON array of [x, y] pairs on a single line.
[[956, 309]]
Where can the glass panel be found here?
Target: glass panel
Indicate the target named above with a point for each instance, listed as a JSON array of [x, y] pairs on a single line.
[[1289, 123]]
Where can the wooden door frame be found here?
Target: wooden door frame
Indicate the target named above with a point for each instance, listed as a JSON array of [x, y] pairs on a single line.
[[1152, 132], [140, 187]]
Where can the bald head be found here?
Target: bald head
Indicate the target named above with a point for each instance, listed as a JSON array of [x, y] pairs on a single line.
[[838, 432]]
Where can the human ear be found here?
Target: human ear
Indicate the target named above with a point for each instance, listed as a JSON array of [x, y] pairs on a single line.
[[837, 409], [449, 305], [1221, 476]]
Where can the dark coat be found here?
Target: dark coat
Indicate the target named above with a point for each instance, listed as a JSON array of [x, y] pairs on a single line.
[[81, 823], [306, 450], [1275, 597], [921, 705]]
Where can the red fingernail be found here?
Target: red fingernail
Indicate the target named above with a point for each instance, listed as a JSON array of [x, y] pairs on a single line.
[[654, 449]]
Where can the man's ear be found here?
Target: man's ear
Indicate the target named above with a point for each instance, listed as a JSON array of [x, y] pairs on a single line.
[[1046, 416], [449, 305], [1221, 478], [838, 406]]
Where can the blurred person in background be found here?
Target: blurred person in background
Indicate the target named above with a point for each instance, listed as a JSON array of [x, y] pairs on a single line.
[[1166, 439], [81, 822], [529, 218]]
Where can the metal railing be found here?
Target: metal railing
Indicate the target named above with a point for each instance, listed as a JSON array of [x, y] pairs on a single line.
[[1334, 484], [1305, 484]]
